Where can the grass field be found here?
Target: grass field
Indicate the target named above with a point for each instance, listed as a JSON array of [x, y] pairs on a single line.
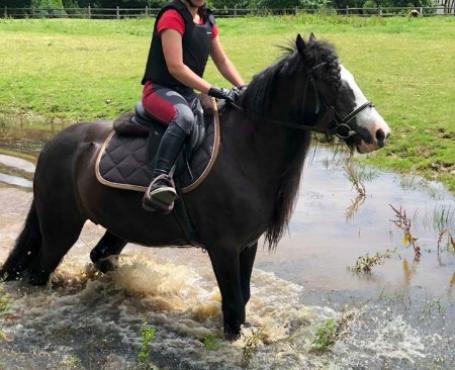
[[84, 69]]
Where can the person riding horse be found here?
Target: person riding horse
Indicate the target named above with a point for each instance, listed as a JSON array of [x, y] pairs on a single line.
[[184, 36]]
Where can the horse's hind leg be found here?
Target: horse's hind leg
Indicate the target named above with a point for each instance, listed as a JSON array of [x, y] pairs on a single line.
[[109, 245], [61, 224]]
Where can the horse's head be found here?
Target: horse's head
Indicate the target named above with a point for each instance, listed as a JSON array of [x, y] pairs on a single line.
[[341, 108]]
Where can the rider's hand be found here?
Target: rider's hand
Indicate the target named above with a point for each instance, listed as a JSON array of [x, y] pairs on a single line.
[[240, 89], [222, 93]]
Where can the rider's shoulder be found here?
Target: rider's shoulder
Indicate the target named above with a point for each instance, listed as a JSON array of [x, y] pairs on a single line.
[[208, 15]]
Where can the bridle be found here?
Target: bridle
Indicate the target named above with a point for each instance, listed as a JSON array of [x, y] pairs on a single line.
[[340, 127]]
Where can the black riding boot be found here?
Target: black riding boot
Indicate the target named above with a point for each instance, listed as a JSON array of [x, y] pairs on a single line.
[[161, 194]]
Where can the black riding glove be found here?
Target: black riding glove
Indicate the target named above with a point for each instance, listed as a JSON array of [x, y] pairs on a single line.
[[239, 89], [222, 93]]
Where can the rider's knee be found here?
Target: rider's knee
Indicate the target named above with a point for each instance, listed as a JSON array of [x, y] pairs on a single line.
[[184, 117]]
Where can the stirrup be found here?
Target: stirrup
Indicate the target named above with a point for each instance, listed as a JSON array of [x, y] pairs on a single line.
[[160, 198]]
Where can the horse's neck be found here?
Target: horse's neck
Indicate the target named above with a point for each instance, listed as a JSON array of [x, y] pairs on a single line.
[[262, 150]]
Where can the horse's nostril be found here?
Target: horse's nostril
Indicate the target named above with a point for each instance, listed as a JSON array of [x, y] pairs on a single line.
[[380, 136]]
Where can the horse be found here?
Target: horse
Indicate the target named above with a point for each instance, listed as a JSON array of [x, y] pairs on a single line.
[[250, 191]]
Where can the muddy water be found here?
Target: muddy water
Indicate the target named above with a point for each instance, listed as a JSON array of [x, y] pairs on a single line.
[[398, 317]]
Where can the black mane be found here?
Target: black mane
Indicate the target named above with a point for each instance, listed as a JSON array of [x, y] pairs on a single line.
[[257, 99]]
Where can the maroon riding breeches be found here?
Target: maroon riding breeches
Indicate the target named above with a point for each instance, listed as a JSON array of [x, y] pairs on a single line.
[[167, 105]]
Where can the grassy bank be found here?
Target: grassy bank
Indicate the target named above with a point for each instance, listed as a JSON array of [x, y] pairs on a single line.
[[74, 69]]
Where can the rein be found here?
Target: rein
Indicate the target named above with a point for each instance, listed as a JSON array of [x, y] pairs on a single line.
[[341, 129]]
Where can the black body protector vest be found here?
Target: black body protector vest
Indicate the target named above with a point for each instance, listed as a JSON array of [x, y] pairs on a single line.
[[195, 44]]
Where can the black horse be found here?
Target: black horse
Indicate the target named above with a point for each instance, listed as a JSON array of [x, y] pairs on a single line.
[[249, 192]]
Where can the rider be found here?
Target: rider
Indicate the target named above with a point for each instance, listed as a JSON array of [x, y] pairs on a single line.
[[185, 34]]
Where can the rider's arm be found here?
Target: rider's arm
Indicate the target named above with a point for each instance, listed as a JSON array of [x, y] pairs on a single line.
[[223, 63], [173, 54]]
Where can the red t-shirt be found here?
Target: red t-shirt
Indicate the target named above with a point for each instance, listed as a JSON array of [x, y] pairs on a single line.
[[171, 19]]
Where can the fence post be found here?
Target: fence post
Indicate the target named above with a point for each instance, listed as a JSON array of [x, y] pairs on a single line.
[[89, 12], [421, 11], [117, 12], [6, 12], [235, 10], [347, 10], [146, 11]]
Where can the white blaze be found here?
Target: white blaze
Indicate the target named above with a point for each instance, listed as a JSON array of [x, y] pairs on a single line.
[[368, 118]]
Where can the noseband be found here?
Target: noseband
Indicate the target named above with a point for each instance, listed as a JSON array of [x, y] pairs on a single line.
[[341, 127]]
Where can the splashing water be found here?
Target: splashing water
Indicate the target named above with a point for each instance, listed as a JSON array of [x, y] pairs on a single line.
[[85, 314]]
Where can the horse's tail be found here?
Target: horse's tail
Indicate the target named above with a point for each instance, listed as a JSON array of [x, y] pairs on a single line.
[[27, 246]]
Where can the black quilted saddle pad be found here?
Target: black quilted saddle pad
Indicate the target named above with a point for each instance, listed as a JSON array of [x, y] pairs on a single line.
[[122, 161]]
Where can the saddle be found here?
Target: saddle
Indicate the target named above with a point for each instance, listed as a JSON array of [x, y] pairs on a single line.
[[123, 159]]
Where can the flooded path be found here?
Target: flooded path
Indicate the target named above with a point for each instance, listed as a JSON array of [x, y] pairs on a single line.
[[308, 309]]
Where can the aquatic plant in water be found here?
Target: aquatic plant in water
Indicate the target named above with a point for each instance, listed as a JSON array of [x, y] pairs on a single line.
[[329, 331], [325, 336], [4, 306], [147, 335], [4, 302], [251, 346], [365, 264], [450, 243], [211, 342], [403, 222], [357, 175]]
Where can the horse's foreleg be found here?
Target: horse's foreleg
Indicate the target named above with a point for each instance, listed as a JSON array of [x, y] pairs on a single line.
[[226, 265], [247, 257], [109, 245]]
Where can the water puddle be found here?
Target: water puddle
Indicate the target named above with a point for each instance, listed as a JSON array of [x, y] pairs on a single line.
[[19, 163], [308, 309]]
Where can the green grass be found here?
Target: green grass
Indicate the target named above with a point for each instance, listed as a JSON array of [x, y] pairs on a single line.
[[85, 69]]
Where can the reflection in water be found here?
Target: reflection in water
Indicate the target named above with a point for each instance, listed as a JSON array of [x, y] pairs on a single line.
[[409, 271], [354, 207], [18, 163], [398, 318], [14, 180]]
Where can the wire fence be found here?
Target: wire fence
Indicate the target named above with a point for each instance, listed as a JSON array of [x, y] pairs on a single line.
[[447, 9]]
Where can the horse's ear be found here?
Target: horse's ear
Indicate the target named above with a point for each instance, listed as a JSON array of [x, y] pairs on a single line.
[[300, 44], [312, 37]]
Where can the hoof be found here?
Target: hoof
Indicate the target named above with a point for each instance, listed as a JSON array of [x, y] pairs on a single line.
[[38, 278], [106, 265], [6, 275], [231, 333], [230, 336]]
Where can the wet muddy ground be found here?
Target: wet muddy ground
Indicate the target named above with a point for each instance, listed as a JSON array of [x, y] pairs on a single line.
[[308, 308]]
